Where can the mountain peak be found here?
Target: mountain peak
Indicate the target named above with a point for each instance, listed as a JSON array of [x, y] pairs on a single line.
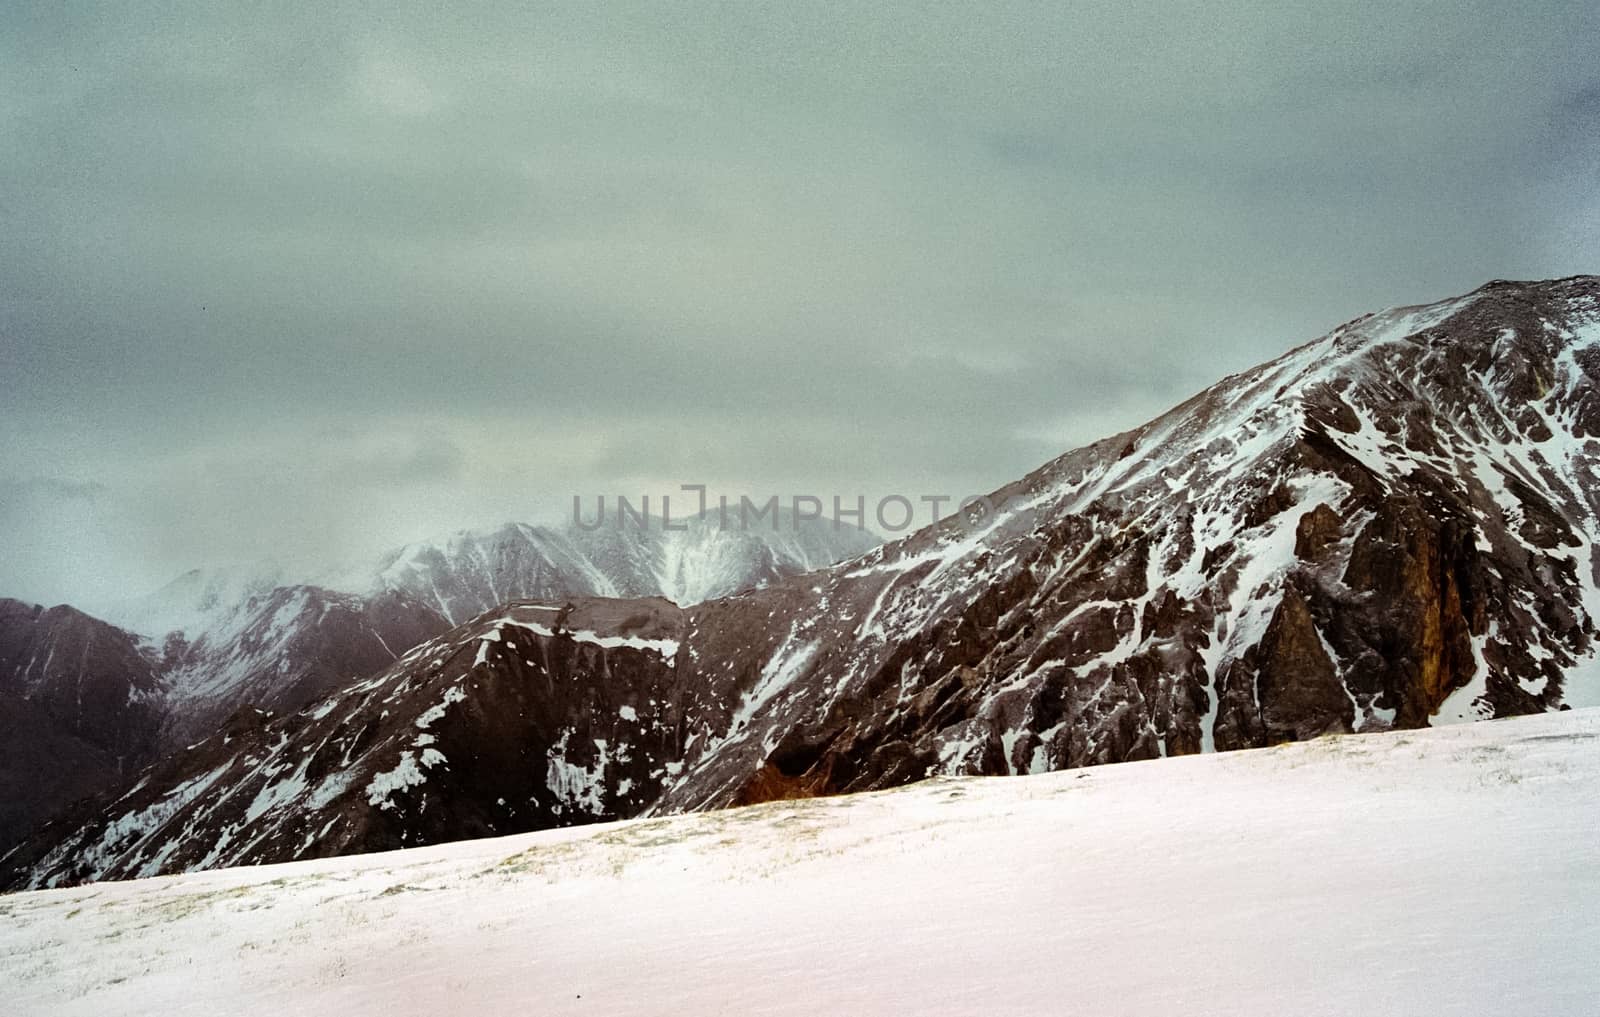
[[470, 571]]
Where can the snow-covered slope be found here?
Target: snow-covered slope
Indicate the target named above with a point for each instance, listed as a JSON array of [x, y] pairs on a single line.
[[469, 572], [195, 602], [283, 648], [1444, 872]]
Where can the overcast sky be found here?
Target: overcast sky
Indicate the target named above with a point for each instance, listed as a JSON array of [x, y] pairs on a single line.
[[292, 282]]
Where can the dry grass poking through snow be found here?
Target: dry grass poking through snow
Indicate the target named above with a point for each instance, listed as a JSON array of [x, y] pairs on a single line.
[[1453, 871]]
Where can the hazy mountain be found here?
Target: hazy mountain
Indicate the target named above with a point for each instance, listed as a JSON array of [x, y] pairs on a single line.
[[469, 572]]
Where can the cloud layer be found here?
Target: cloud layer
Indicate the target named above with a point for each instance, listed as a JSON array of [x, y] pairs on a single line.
[[306, 282]]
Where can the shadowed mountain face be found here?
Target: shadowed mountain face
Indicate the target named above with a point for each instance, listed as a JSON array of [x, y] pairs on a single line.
[[79, 710], [85, 705], [1391, 526]]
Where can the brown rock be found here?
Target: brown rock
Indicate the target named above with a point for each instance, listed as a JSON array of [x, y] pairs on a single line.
[[1298, 684], [1317, 529]]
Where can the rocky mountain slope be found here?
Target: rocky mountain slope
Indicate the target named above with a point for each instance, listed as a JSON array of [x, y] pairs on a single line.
[[284, 648], [215, 640], [1391, 525], [81, 710]]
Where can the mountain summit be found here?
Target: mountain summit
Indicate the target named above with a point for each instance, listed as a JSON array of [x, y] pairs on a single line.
[[469, 572]]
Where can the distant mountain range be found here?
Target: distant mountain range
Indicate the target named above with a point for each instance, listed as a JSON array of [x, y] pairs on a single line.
[[87, 701], [469, 573], [462, 574]]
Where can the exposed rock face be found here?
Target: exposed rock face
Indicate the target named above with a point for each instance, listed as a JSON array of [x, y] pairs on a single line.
[[79, 711], [535, 717], [1297, 682], [85, 705], [1391, 526]]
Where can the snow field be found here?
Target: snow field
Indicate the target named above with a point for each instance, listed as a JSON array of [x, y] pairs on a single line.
[[1451, 871]]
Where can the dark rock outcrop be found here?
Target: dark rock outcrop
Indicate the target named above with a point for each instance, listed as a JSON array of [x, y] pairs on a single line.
[[79, 711]]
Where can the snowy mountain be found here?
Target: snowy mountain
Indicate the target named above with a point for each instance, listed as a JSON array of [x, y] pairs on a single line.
[[224, 629], [1390, 526], [283, 648], [213, 641], [255, 635], [252, 634], [463, 574], [1447, 872], [195, 602], [470, 572]]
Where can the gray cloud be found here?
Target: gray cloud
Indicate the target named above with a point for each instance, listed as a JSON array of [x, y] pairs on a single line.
[[307, 280], [16, 492]]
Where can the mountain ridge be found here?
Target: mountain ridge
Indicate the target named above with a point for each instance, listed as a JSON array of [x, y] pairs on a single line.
[[1392, 524], [213, 642]]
